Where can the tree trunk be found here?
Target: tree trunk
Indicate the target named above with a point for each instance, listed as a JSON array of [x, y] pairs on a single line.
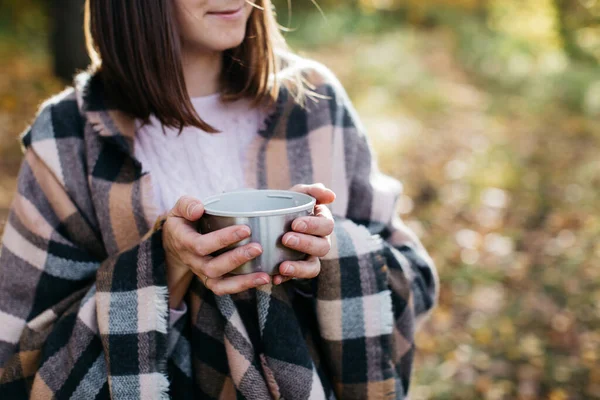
[[482, 10], [574, 51], [67, 39]]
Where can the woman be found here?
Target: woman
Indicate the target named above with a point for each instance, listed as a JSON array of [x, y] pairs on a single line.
[[106, 288]]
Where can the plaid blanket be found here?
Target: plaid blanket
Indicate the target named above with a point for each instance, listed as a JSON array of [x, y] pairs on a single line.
[[83, 296]]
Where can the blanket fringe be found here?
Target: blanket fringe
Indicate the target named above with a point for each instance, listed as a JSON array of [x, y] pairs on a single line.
[[162, 308], [163, 387], [162, 315]]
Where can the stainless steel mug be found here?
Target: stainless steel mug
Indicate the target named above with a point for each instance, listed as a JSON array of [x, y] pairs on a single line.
[[268, 213]]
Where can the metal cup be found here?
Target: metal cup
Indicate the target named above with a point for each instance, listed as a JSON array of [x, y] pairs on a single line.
[[268, 213]]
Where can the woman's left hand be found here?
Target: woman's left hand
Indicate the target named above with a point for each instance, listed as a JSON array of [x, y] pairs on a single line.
[[309, 235]]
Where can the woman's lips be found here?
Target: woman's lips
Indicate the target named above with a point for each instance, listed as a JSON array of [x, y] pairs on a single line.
[[227, 14]]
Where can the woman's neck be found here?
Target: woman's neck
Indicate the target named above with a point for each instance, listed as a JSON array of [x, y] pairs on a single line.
[[202, 71]]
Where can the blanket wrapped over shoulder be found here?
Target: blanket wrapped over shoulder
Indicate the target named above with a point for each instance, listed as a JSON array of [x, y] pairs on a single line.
[[83, 296]]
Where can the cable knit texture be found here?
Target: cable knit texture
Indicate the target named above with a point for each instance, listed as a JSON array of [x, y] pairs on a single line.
[[198, 163]]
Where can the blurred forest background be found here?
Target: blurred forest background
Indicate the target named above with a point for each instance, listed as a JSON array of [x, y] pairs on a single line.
[[488, 111]]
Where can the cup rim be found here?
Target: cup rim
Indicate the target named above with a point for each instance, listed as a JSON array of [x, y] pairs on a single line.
[[311, 202]]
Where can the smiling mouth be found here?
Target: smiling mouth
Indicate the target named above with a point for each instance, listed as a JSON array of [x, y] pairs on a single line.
[[226, 12]]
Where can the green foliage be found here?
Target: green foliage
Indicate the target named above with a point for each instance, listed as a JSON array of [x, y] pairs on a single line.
[[517, 48], [518, 68], [23, 20]]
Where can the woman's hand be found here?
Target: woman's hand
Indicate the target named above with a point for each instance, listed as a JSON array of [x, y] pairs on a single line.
[[188, 252], [310, 235]]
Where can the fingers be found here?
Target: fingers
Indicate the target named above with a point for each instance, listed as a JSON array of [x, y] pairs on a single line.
[[204, 245], [323, 211], [187, 207], [236, 283], [278, 279], [307, 269], [318, 191], [320, 225], [227, 262], [186, 239], [313, 245]]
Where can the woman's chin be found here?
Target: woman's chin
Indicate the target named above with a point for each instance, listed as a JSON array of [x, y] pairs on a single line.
[[229, 45], [220, 45]]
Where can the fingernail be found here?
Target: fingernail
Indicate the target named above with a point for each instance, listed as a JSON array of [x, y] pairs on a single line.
[[242, 233], [301, 226], [192, 208], [260, 281], [252, 252], [292, 240], [290, 269]]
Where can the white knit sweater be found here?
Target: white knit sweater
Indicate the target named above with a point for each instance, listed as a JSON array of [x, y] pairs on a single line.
[[198, 163]]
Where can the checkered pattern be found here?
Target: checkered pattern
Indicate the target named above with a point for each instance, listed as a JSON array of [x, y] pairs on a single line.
[[83, 297]]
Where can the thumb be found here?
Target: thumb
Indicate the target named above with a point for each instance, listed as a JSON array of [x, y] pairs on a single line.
[[187, 207], [322, 194]]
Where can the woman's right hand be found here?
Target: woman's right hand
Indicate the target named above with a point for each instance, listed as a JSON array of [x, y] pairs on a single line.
[[188, 252]]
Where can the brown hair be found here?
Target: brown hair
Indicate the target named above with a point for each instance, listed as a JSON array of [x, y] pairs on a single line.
[[135, 48]]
